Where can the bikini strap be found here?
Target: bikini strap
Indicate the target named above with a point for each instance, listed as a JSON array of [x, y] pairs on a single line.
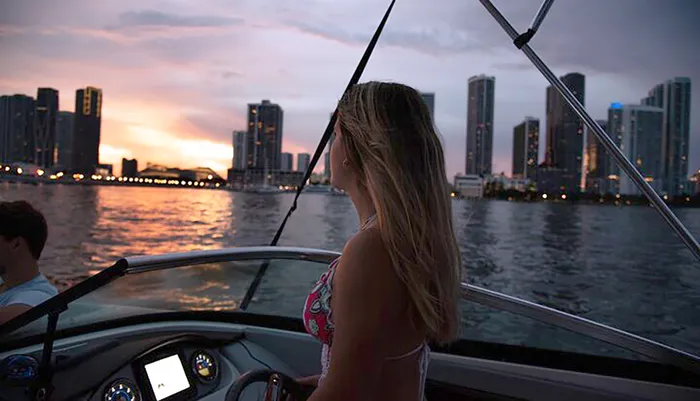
[[367, 222], [394, 358]]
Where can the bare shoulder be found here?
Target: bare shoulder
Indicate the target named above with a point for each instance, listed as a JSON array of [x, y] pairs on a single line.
[[366, 263]]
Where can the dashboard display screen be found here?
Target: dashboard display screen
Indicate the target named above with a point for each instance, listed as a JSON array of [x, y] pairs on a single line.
[[167, 377]]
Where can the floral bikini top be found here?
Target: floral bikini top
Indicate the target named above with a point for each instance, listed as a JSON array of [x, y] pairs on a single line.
[[317, 309]]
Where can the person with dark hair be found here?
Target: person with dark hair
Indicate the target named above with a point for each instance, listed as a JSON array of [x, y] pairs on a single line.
[[23, 233]]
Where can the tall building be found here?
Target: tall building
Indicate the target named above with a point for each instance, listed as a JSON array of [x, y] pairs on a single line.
[[303, 161], [638, 131], [565, 130], [16, 128], [240, 153], [264, 145], [130, 167], [45, 149], [480, 105], [596, 161], [86, 135], [526, 148], [429, 99], [65, 127], [673, 96], [327, 157], [286, 161]]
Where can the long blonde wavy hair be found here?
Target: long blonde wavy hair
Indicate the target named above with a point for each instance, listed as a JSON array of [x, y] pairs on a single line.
[[390, 140]]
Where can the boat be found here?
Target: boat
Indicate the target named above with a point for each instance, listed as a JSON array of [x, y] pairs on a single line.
[[318, 188], [101, 340], [338, 192], [264, 189]]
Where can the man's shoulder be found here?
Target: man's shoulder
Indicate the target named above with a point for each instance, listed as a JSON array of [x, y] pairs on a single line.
[[32, 293], [30, 297]]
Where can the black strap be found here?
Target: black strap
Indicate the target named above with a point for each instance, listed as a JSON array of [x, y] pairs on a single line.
[[44, 386], [317, 155]]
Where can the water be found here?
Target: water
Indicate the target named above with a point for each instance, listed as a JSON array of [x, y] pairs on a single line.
[[621, 266]]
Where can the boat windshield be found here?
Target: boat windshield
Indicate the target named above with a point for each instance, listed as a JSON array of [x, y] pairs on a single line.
[[211, 284]]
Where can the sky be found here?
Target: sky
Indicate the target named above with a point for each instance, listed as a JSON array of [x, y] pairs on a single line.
[[177, 75]]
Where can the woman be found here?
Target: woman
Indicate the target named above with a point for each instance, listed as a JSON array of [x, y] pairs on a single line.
[[396, 286]]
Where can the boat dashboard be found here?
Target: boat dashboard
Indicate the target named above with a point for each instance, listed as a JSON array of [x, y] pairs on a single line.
[[180, 371], [183, 360], [148, 367]]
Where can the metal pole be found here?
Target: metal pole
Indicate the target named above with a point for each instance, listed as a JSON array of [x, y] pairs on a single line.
[[609, 145], [541, 13]]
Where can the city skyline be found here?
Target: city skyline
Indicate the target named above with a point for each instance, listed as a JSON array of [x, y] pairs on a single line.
[[173, 98]]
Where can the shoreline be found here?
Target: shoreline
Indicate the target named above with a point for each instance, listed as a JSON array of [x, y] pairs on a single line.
[[509, 196]]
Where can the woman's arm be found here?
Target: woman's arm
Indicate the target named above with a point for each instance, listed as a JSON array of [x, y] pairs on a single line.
[[366, 312]]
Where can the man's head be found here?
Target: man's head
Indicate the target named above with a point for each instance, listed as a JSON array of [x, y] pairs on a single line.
[[23, 233]]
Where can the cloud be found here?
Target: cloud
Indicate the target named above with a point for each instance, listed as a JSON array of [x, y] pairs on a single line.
[[429, 40], [152, 18], [230, 74]]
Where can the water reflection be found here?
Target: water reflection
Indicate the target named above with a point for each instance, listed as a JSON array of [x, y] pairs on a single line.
[[474, 233], [214, 286], [258, 216], [341, 221]]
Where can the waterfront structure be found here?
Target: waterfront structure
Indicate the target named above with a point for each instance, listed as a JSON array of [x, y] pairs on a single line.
[[480, 111]]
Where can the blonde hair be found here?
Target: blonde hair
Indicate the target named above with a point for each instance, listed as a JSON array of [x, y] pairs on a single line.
[[390, 140]]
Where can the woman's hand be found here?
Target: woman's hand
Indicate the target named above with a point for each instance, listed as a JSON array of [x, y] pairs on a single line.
[[311, 381]]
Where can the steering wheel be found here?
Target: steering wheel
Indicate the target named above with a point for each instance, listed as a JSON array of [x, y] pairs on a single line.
[[278, 387]]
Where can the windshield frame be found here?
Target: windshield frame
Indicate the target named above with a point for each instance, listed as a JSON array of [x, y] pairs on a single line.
[[142, 264]]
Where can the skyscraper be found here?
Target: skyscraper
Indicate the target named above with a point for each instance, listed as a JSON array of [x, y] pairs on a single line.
[[596, 161], [130, 167], [264, 145], [240, 152], [429, 99], [45, 151], [638, 131], [327, 157], [86, 137], [565, 132], [480, 105], [303, 160], [16, 128], [673, 96], [65, 127], [526, 148], [286, 161]]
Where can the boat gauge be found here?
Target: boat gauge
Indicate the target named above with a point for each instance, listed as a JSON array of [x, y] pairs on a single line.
[[204, 366], [18, 368], [122, 390]]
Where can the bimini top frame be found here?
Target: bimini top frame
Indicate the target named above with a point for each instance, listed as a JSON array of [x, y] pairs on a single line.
[[521, 42]]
